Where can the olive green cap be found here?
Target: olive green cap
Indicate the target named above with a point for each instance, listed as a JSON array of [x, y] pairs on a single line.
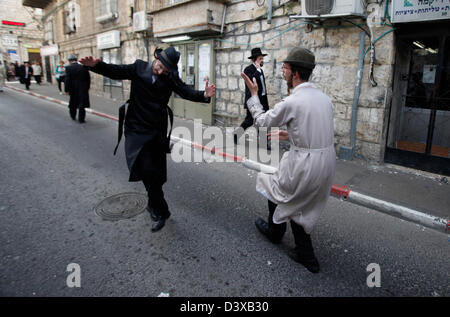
[[302, 57]]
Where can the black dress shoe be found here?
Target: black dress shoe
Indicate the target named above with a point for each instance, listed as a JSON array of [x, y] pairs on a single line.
[[159, 224], [153, 215], [310, 262], [263, 227], [160, 221]]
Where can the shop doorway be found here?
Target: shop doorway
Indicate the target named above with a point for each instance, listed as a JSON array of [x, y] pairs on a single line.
[[196, 65], [419, 123]]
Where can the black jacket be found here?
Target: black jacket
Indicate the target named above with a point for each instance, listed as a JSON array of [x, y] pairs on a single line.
[[146, 118], [22, 72], [252, 72], [77, 84]]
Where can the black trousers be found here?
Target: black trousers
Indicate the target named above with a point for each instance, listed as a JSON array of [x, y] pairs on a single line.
[[248, 120], [81, 113], [156, 198], [302, 240], [60, 80], [27, 82]]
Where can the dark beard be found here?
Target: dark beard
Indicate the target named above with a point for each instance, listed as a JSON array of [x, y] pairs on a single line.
[[289, 82]]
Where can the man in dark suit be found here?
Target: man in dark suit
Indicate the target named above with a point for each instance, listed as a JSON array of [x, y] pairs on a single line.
[[254, 70], [146, 120], [25, 73], [77, 84]]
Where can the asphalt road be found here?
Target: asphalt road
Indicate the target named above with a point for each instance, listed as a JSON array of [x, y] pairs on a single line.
[[54, 171]]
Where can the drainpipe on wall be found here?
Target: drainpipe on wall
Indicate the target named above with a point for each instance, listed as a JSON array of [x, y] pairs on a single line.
[[347, 152], [223, 18], [269, 13]]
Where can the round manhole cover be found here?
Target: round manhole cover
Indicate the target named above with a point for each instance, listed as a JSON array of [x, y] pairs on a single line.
[[121, 206]]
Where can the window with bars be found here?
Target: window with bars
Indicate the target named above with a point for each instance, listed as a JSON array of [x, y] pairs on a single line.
[[106, 10], [71, 17], [159, 4], [48, 32]]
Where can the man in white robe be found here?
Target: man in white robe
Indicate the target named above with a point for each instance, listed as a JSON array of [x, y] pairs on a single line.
[[299, 190]]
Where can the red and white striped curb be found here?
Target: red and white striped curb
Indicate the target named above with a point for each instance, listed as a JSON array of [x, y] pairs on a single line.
[[339, 191]]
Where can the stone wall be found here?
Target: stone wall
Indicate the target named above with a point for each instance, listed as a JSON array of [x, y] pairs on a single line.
[[336, 47]]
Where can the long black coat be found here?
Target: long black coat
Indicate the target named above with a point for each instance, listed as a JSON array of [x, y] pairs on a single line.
[[22, 73], [252, 72], [77, 84], [146, 120]]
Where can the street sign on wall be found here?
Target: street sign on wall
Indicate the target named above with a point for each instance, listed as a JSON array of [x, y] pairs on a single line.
[[109, 39], [419, 10], [10, 41], [49, 50]]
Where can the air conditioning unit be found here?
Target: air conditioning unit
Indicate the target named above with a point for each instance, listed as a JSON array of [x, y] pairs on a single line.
[[141, 21], [332, 8]]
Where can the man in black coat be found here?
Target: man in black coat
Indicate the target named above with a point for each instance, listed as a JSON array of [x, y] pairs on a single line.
[[25, 73], [77, 84], [254, 70], [146, 122]]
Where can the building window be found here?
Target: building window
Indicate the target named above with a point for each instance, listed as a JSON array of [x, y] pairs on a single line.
[[106, 11], [71, 17], [111, 56], [48, 32]]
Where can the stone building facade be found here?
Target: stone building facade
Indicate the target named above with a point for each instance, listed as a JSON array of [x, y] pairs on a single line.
[[98, 28], [20, 43], [375, 118], [336, 46]]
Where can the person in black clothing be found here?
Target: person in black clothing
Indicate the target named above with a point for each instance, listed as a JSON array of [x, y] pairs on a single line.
[[254, 70], [77, 84], [146, 120], [25, 73]]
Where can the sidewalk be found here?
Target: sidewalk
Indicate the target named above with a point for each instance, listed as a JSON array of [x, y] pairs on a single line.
[[414, 195]]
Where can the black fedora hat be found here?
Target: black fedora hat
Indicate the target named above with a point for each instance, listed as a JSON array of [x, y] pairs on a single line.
[[169, 57], [256, 52]]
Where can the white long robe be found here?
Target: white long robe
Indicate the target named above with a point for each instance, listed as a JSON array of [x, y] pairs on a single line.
[[302, 184]]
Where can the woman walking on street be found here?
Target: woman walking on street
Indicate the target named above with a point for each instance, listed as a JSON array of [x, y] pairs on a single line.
[[60, 75]]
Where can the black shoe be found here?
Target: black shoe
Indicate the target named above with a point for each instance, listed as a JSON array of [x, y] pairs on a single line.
[[160, 222], [310, 263], [82, 121], [263, 227], [153, 215]]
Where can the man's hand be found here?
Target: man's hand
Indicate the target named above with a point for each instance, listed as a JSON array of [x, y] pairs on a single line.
[[209, 90], [252, 86], [278, 135], [89, 61]]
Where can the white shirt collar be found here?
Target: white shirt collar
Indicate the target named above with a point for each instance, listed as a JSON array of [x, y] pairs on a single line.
[[258, 69], [303, 85]]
